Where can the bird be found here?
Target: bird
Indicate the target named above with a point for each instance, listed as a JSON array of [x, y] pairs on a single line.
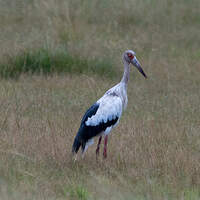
[[106, 112]]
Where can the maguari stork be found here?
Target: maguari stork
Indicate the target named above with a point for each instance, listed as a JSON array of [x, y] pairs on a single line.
[[105, 114]]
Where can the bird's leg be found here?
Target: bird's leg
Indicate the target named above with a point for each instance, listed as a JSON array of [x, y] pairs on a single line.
[[98, 146], [105, 146]]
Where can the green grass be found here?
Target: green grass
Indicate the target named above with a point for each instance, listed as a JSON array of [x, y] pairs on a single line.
[[79, 192], [59, 61]]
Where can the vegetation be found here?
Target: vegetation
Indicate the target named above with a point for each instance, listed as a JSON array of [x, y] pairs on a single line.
[[47, 61], [65, 55]]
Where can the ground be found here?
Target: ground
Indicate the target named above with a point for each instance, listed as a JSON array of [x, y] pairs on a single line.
[[153, 153]]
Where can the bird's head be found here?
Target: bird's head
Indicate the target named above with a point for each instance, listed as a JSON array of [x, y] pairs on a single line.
[[129, 56]]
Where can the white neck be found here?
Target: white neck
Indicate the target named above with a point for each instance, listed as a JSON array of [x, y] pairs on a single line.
[[125, 77]]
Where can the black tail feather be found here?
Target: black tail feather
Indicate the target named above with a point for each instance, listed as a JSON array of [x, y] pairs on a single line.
[[76, 145]]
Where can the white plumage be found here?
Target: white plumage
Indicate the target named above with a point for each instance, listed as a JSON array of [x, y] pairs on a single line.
[[110, 107], [105, 114]]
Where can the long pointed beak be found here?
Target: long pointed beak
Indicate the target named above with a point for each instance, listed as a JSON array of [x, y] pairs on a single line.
[[136, 63]]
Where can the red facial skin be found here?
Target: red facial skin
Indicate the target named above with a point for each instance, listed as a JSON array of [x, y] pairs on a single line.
[[131, 56]]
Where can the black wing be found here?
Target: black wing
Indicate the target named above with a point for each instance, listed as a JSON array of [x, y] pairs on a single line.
[[87, 132]]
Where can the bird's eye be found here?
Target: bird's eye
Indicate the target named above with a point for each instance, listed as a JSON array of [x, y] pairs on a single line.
[[131, 56]]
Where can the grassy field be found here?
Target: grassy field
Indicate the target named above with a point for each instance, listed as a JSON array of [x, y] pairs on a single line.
[[59, 57]]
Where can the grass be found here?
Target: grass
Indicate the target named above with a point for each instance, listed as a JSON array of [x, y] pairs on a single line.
[[149, 156], [154, 151], [48, 61]]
